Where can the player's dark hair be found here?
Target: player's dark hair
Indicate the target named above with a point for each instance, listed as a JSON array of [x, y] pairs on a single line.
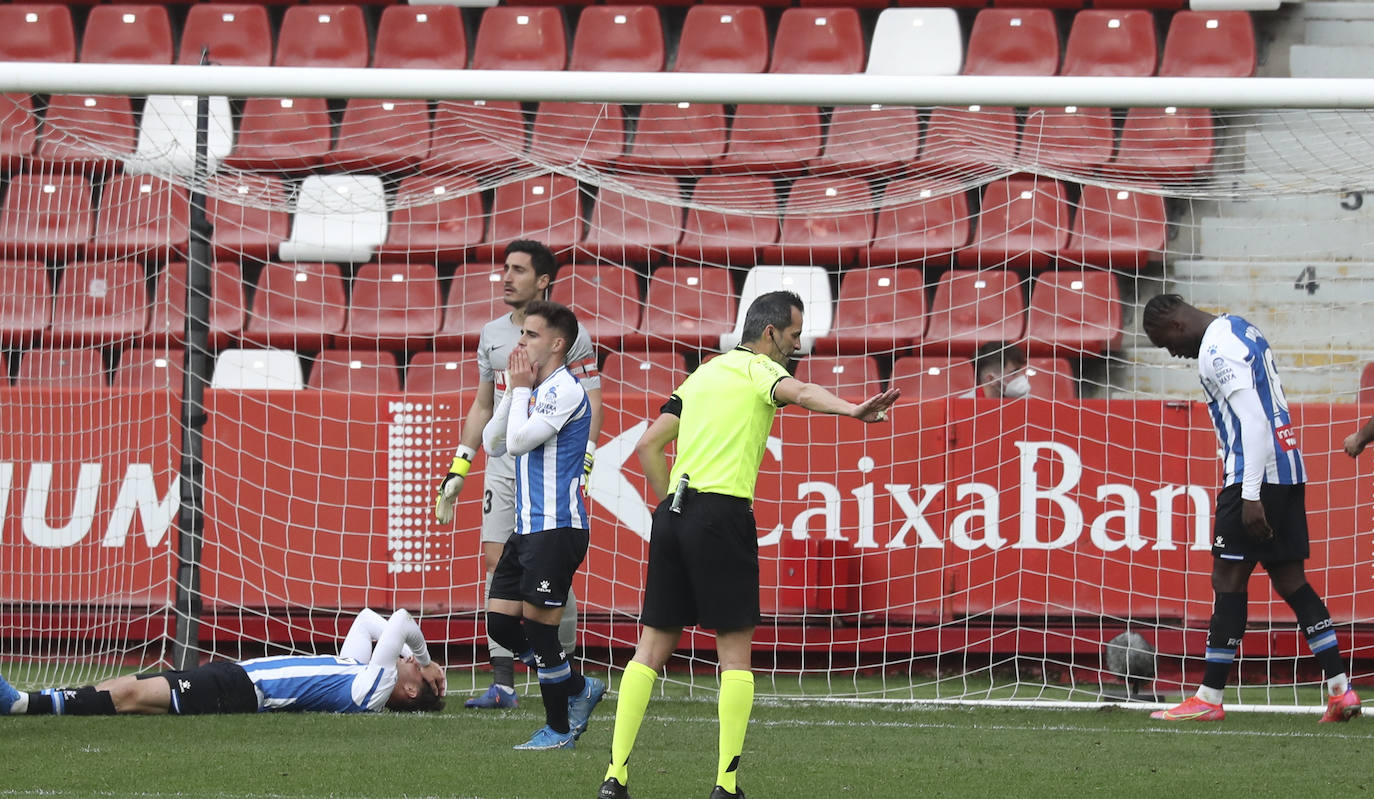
[[427, 701], [1159, 309], [773, 308], [558, 317], [541, 257], [996, 354]]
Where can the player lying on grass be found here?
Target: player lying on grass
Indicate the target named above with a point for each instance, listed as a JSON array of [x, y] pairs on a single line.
[[383, 663]]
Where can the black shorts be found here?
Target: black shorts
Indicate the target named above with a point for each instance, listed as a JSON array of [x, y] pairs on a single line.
[[218, 687], [703, 565], [1285, 506], [538, 568]]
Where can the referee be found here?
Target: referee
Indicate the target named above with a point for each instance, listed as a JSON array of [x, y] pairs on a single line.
[[703, 549]]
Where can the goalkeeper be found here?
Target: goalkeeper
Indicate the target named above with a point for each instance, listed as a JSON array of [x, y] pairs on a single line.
[[529, 270], [383, 663]]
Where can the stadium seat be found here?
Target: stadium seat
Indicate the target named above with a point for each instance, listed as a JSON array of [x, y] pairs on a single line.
[[475, 297], [37, 33], [1074, 312], [618, 39], [322, 36], [281, 133], [578, 133], [46, 216], [605, 298], [297, 306], [248, 213], [1209, 44], [86, 131], [236, 35], [1116, 228], [818, 41], [381, 136], [869, 141], [98, 303], [119, 34], [1068, 138], [689, 306], [638, 225], [445, 372], [809, 282], [928, 378], [853, 377], [151, 369], [1169, 145], [657, 374], [723, 38], [546, 208], [880, 310], [972, 308], [919, 220], [771, 139], [250, 369], [1024, 223], [1013, 41], [167, 135], [1051, 379], [394, 306], [721, 237], [521, 38], [1111, 44], [476, 138], [167, 323], [18, 130], [421, 37], [61, 367], [436, 219], [1366, 396], [141, 217], [338, 218], [358, 372], [677, 136], [811, 234], [961, 142], [916, 41], [25, 302]]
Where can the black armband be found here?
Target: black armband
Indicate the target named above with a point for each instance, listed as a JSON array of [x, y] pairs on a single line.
[[673, 406]]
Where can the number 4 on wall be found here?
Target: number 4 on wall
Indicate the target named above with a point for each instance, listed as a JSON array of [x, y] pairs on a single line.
[[1307, 279]]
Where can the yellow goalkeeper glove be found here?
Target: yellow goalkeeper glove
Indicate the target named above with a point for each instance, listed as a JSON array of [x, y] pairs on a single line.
[[452, 483]]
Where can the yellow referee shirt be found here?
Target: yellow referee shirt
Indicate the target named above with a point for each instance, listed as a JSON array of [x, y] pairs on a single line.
[[727, 411]]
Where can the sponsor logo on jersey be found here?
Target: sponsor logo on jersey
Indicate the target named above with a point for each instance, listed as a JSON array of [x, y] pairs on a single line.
[[1286, 436]]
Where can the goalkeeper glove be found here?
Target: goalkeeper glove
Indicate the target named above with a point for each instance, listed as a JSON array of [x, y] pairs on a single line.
[[452, 484]]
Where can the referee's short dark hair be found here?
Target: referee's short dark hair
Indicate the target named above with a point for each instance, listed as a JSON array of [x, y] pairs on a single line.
[[560, 319], [773, 308], [541, 257]]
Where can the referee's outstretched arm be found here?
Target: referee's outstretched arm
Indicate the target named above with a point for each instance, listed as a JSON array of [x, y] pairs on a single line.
[[814, 398]]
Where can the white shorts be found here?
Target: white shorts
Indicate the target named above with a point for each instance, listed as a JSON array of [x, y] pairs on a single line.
[[498, 500]]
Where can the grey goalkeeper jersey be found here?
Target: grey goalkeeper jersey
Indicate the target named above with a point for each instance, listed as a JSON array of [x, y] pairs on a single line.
[[499, 337]]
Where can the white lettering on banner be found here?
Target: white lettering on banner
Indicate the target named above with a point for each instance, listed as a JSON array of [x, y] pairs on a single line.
[[926, 537], [960, 529], [1129, 514], [608, 487], [138, 492], [830, 511], [1031, 494], [1164, 515], [35, 518]]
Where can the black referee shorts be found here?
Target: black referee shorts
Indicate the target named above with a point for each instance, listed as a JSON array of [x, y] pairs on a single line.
[[538, 568], [217, 687], [1285, 506], [703, 565]]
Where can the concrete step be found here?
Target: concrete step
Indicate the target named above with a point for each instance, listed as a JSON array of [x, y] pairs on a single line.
[[1314, 206], [1337, 10], [1327, 61], [1311, 150], [1276, 240], [1354, 33]]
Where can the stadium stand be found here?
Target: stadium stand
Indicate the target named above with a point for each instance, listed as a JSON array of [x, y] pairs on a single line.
[[1074, 312], [879, 310], [475, 137], [824, 237], [1116, 228], [37, 32], [322, 36], [1013, 41], [657, 374], [444, 230], [98, 303], [971, 308], [441, 372], [721, 237], [394, 306], [1051, 379], [546, 208], [338, 218], [421, 37], [853, 377], [381, 136], [167, 322], [254, 227], [574, 133], [869, 141], [521, 38], [627, 227], [281, 134], [1165, 144], [919, 221], [809, 282], [47, 216], [616, 39], [1111, 43], [167, 135], [18, 131], [25, 302], [141, 216], [928, 377], [238, 35], [916, 41], [723, 38], [965, 139], [677, 137], [358, 372], [95, 133], [768, 139], [686, 305], [251, 370], [61, 367], [1209, 44], [1366, 396], [605, 298], [818, 41], [474, 298], [302, 306], [127, 34], [151, 369], [1023, 223]]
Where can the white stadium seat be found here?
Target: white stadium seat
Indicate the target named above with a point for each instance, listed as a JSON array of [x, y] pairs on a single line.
[[916, 41], [811, 283], [258, 369], [167, 136], [338, 218]]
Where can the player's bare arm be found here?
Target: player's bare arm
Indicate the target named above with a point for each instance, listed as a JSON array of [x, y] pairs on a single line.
[[1356, 442], [652, 451]]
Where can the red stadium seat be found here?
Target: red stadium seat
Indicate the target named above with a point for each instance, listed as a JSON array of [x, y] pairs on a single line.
[[1077, 312], [37, 33], [394, 306], [61, 367], [436, 218], [298, 306], [25, 302], [127, 35], [1140, 3], [724, 38], [99, 303], [421, 37], [521, 38], [248, 214], [481, 136], [475, 297], [1068, 137], [1024, 223], [1111, 44], [46, 216], [1051, 379], [281, 133], [636, 226], [677, 136], [1013, 41], [237, 35], [920, 220], [880, 310], [18, 130], [853, 377], [605, 298], [1117, 228], [619, 39], [869, 141], [818, 41], [167, 325], [153, 369], [928, 378], [86, 131], [446, 372], [972, 308], [1367, 385], [546, 208], [571, 133], [322, 36], [657, 374], [732, 239], [142, 217], [358, 372], [1209, 44], [1170, 145], [813, 235], [963, 140], [689, 306], [380, 136], [770, 139]]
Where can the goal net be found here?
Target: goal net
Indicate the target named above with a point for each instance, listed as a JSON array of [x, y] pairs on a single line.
[[973, 547]]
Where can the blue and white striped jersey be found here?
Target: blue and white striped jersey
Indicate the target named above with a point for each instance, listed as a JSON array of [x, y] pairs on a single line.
[[320, 682], [548, 478], [1234, 355]]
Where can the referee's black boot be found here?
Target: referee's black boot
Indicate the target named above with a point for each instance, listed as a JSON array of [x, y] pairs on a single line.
[[721, 793], [612, 789]]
